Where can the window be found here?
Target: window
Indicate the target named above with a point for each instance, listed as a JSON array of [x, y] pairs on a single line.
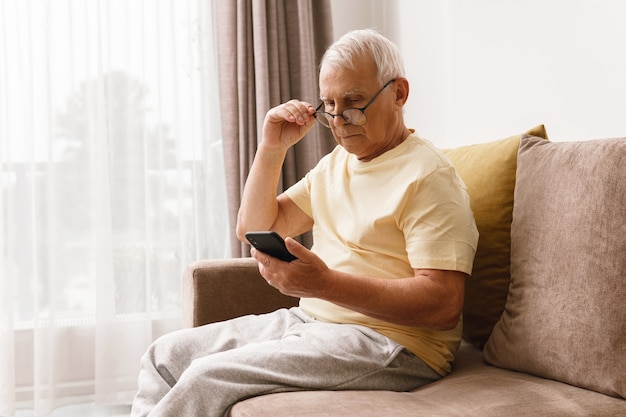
[[112, 180]]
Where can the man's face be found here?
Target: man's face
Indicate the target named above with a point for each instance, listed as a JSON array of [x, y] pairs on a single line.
[[341, 89]]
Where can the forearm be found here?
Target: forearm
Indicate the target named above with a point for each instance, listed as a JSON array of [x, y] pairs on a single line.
[[259, 207], [283, 127]]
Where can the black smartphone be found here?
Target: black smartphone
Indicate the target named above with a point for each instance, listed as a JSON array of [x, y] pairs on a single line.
[[271, 243]]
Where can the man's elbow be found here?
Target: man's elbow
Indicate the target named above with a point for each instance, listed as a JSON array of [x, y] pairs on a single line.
[[446, 317], [448, 322], [241, 234], [241, 228], [449, 312], [439, 319]]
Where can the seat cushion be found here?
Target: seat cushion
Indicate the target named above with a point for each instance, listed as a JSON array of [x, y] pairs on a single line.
[[473, 389]]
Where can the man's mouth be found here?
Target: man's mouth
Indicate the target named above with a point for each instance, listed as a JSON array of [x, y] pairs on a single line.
[[347, 136]]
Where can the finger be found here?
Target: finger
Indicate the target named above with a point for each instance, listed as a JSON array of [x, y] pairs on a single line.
[[298, 111], [260, 257]]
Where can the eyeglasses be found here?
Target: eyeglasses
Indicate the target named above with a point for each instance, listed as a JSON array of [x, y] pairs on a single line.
[[353, 116]]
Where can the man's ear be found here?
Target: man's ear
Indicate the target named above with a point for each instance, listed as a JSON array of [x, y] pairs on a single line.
[[402, 90]]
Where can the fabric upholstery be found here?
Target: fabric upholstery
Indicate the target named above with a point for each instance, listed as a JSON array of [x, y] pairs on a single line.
[[474, 389], [488, 170], [222, 289], [564, 318]]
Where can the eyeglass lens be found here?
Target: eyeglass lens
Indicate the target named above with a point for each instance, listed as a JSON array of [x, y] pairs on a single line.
[[354, 116]]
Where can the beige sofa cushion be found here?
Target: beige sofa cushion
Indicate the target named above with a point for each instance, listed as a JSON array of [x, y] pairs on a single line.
[[565, 316], [473, 389], [488, 170]]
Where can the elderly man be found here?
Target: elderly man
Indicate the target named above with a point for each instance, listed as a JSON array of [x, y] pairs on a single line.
[[382, 288]]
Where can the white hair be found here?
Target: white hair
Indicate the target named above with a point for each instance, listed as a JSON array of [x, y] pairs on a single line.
[[366, 42]]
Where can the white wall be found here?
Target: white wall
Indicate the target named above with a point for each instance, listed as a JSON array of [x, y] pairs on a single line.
[[488, 69]]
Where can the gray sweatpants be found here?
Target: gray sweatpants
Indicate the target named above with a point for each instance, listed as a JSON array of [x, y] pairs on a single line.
[[204, 371]]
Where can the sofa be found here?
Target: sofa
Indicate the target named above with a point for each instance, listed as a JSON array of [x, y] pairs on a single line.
[[544, 314]]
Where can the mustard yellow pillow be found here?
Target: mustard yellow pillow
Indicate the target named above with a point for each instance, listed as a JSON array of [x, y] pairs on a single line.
[[488, 170]]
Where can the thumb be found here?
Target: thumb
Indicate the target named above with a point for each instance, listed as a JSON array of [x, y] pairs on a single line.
[[297, 249]]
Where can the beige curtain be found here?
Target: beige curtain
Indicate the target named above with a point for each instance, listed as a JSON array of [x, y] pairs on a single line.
[[268, 53]]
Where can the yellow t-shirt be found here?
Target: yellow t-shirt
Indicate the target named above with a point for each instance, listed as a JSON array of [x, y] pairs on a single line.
[[405, 209]]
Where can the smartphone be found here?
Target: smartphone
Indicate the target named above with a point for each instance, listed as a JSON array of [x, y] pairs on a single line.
[[271, 243]]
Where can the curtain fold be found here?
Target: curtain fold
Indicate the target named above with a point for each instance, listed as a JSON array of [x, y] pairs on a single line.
[[112, 180], [268, 53]]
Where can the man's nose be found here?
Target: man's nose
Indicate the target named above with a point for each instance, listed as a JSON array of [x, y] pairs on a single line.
[[339, 120]]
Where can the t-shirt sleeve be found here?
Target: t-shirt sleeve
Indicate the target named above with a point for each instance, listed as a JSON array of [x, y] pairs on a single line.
[[438, 223], [300, 194]]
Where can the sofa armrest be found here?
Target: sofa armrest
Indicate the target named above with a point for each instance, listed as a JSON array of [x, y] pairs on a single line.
[[217, 290]]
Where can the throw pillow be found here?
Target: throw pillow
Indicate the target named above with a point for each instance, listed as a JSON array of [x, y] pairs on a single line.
[[564, 317], [488, 170]]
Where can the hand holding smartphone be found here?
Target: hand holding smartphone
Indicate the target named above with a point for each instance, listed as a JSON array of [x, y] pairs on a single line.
[[271, 243]]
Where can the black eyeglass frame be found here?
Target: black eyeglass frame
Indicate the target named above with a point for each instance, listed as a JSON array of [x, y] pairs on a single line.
[[361, 109]]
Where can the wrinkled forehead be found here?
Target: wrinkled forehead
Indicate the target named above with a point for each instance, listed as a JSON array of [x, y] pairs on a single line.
[[338, 80], [339, 92]]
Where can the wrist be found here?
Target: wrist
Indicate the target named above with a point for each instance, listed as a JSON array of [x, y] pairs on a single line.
[[276, 151]]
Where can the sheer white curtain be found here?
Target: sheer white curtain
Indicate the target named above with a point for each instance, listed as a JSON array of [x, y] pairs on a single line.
[[112, 180]]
